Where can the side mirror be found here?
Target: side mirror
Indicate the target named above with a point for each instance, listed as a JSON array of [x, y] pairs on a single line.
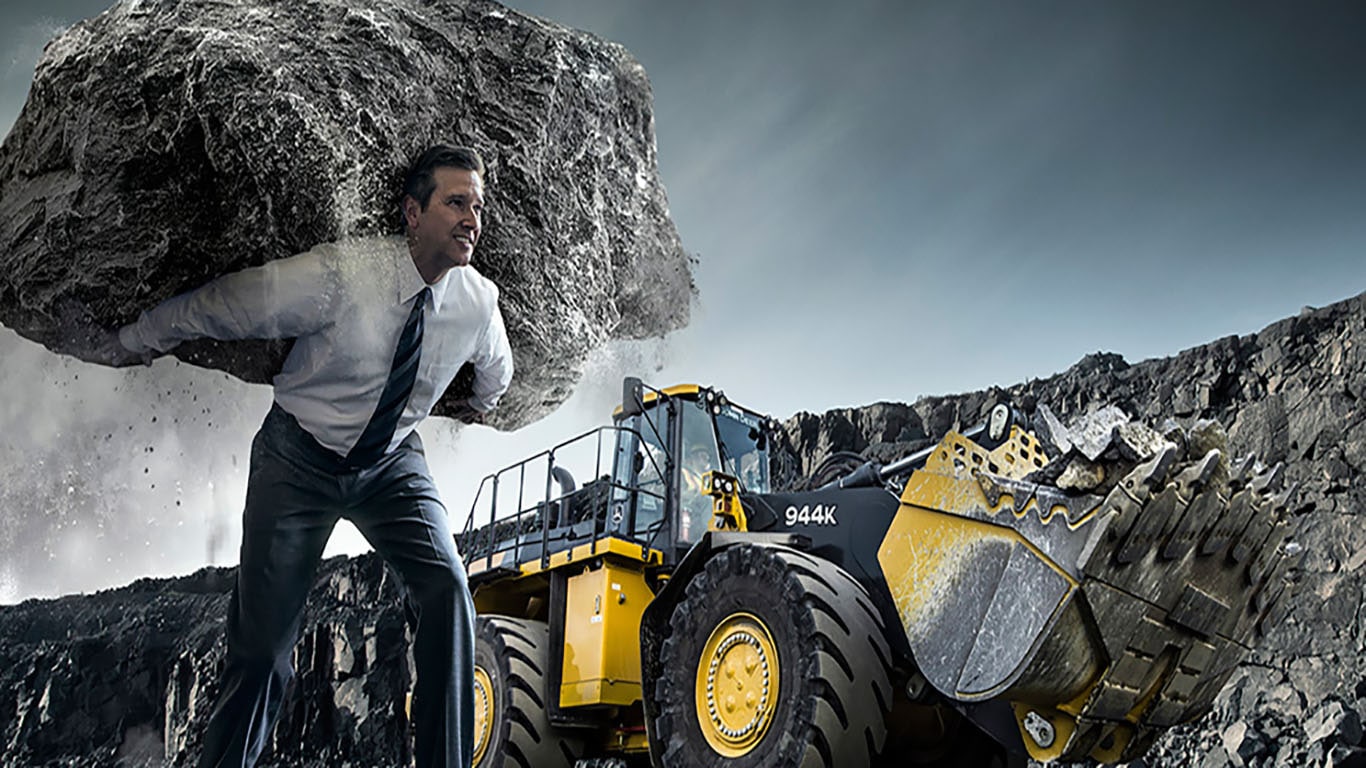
[[632, 397]]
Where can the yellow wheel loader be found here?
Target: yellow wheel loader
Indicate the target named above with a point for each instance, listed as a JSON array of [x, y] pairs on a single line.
[[955, 608]]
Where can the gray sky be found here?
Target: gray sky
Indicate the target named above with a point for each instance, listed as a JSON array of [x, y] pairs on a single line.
[[888, 199]]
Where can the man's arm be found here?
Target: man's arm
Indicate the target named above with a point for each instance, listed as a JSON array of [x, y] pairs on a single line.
[[492, 368], [278, 300]]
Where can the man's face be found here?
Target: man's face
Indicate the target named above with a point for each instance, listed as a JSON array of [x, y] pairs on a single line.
[[447, 231]]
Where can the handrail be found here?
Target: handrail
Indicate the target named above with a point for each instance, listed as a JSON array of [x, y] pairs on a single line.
[[515, 525]]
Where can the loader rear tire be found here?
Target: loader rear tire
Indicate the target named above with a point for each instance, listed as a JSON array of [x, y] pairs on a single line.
[[511, 726], [775, 658]]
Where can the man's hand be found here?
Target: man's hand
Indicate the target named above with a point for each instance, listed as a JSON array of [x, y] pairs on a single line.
[[467, 414], [109, 350]]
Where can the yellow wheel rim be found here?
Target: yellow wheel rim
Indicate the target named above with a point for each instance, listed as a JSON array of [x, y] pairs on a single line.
[[737, 685], [483, 713]]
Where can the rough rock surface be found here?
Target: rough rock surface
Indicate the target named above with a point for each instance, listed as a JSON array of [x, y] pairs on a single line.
[[128, 674], [1292, 393], [166, 143], [127, 677]]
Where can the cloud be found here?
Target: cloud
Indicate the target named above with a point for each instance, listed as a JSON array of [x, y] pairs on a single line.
[[107, 475]]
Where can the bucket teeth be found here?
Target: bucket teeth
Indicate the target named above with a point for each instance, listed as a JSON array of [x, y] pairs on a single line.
[[1271, 481], [1130, 498], [1198, 562], [1281, 501], [1195, 477], [1150, 476], [1151, 525], [1242, 469], [1200, 515], [1177, 557]]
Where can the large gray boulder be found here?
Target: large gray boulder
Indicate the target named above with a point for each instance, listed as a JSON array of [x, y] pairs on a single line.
[[166, 143]]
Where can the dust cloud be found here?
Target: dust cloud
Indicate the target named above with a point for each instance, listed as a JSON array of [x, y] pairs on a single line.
[[107, 476]]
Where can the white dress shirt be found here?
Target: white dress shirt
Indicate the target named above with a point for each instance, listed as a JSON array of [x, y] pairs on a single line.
[[345, 304]]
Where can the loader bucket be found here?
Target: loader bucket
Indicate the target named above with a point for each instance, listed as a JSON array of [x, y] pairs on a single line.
[[1103, 620]]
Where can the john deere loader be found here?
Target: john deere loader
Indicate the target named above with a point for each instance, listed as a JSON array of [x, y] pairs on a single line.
[[956, 608]]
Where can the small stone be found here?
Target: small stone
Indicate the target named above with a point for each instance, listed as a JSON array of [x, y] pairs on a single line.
[[343, 660], [1232, 738], [1137, 441], [1211, 759], [1093, 434], [1251, 746], [1333, 722], [1341, 756], [1049, 429], [1175, 434], [1285, 699], [1350, 729], [350, 696], [1081, 474], [1184, 402], [1207, 435]]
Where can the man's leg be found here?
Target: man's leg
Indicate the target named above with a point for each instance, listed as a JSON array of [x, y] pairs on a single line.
[[399, 512], [286, 524]]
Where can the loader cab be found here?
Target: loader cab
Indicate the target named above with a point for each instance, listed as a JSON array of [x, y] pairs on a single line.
[[666, 444], [641, 484], [564, 551]]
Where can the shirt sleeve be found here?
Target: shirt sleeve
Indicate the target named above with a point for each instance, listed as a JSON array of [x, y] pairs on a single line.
[[281, 299], [492, 363]]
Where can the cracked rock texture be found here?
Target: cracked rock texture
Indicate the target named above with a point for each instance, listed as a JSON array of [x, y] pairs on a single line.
[[125, 677], [166, 143], [1292, 393], [128, 677]]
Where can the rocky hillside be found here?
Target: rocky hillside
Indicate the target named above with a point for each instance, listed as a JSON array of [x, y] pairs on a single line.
[[1291, 393], [125, 677]]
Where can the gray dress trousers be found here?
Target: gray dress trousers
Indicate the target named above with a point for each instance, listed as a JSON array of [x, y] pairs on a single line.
[[296, 492]]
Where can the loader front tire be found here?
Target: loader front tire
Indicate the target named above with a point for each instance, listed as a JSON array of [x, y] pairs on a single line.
[[510, 723], [774, 658]]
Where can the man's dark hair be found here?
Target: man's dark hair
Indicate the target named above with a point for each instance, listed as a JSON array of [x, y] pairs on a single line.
[[419, 183]]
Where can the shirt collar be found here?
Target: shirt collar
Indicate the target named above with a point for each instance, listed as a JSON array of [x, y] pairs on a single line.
[[410, 282]]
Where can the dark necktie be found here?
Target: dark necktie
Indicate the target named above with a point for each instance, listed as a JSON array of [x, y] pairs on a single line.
[[397, 389]]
